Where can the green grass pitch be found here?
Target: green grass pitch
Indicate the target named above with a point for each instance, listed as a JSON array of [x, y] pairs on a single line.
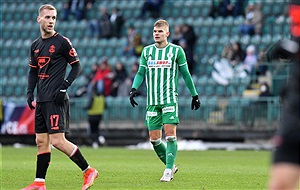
[[121, 168]]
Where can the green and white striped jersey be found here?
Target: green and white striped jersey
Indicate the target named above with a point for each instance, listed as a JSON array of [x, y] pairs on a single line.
[[161, 71]]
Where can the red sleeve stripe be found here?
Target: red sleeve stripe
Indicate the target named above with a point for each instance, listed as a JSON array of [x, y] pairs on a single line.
[[74, 62], [32, 66]]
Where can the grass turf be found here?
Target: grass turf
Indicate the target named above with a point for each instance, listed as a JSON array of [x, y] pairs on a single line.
[[121, 168]]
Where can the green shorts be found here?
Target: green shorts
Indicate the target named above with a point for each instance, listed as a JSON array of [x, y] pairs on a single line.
[[157, 116]]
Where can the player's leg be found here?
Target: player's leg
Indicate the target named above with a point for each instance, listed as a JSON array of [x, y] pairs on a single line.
[[154, 124], [158, 146], [58, 124], [44, 150], [170, 120], [284, 176]]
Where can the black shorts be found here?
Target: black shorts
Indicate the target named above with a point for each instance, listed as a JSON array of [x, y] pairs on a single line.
[[287, 151], [51, 118]]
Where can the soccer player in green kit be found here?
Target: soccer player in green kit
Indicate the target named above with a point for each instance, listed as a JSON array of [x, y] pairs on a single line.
[[159, 66]]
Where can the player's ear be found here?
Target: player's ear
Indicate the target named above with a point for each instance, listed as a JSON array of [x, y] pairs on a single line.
[[38, 19], [168, 34]]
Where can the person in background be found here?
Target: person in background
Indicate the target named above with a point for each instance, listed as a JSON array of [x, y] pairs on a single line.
[[253, 20], [120, 75], [176, 35], [238, 54], [95, 110], [285, 169], [49, 56], [250, 59], [101, 27], [78, 8], [117, 21], [227, 51], [129, 48], [159, 64], [188, 42], [152, 6]]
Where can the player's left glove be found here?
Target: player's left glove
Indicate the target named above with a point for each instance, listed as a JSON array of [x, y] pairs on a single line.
[[195, 103], [59, 95], [133, 94]]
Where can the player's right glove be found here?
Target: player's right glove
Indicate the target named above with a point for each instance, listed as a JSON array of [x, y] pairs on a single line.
[[195, 103], [59, 95], [30, 99], [132, 94]]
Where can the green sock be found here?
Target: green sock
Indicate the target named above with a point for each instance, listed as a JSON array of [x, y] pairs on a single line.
[[160, 149], [171, 151]]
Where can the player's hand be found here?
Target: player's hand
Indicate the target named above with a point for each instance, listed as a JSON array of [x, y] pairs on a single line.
[[133, 94], [195, 103], [30, 99], [59, 95]]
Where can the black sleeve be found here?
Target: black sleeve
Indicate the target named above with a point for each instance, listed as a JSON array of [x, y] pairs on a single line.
[[32, 80], [75, 71]]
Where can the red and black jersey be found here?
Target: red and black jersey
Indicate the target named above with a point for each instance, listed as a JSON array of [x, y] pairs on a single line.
[[50, 57]]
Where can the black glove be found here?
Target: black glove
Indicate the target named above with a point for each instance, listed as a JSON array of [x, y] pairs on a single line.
[[132, 94], [195, 103], [30, 99], [59, 95]]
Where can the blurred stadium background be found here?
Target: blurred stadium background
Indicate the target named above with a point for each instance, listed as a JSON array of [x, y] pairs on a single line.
[[228, 112]]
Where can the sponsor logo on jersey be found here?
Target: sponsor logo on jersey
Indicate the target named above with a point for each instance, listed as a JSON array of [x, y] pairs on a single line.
[[43, 76], [168, 109], [43, 61], [52, 49], [159, 64], [151, 113]]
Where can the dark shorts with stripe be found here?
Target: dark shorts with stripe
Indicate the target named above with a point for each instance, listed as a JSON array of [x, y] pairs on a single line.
[[52, 118]]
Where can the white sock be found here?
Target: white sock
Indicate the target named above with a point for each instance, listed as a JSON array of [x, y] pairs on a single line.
[[39, 180]]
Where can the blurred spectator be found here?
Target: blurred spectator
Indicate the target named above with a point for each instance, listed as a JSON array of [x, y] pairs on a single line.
[[253, 20], [226, 8], [218, 8], [78, 8], [188, 42], [102, 78], [95, 110], [238, 54], [250, 59], [261, 67], [126, 85], [101, 27], [152, 6], [235, 8], [131, 43], [176, 36], [117, 21], [120, 74], [138, 45], [227, 51]]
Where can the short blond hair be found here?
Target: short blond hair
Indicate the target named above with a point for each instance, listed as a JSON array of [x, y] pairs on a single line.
[[46, 6], [162, 23]]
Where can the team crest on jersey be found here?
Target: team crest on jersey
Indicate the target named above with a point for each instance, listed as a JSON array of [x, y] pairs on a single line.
[[72, 52], [43, 61], [52, 49], [170, 55]]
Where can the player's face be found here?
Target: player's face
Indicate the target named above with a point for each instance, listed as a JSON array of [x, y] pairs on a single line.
[[47, 20], [160, 34]]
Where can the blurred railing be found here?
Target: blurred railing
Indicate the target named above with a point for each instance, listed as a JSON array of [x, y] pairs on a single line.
[[215, 113]]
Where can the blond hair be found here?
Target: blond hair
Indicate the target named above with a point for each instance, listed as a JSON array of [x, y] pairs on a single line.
[[46, 6], [162, 23]]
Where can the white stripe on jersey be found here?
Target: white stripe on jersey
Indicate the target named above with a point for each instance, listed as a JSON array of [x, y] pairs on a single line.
[[168, 77], [150, 79], [162, 79], [173, 84], [155, 77]]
